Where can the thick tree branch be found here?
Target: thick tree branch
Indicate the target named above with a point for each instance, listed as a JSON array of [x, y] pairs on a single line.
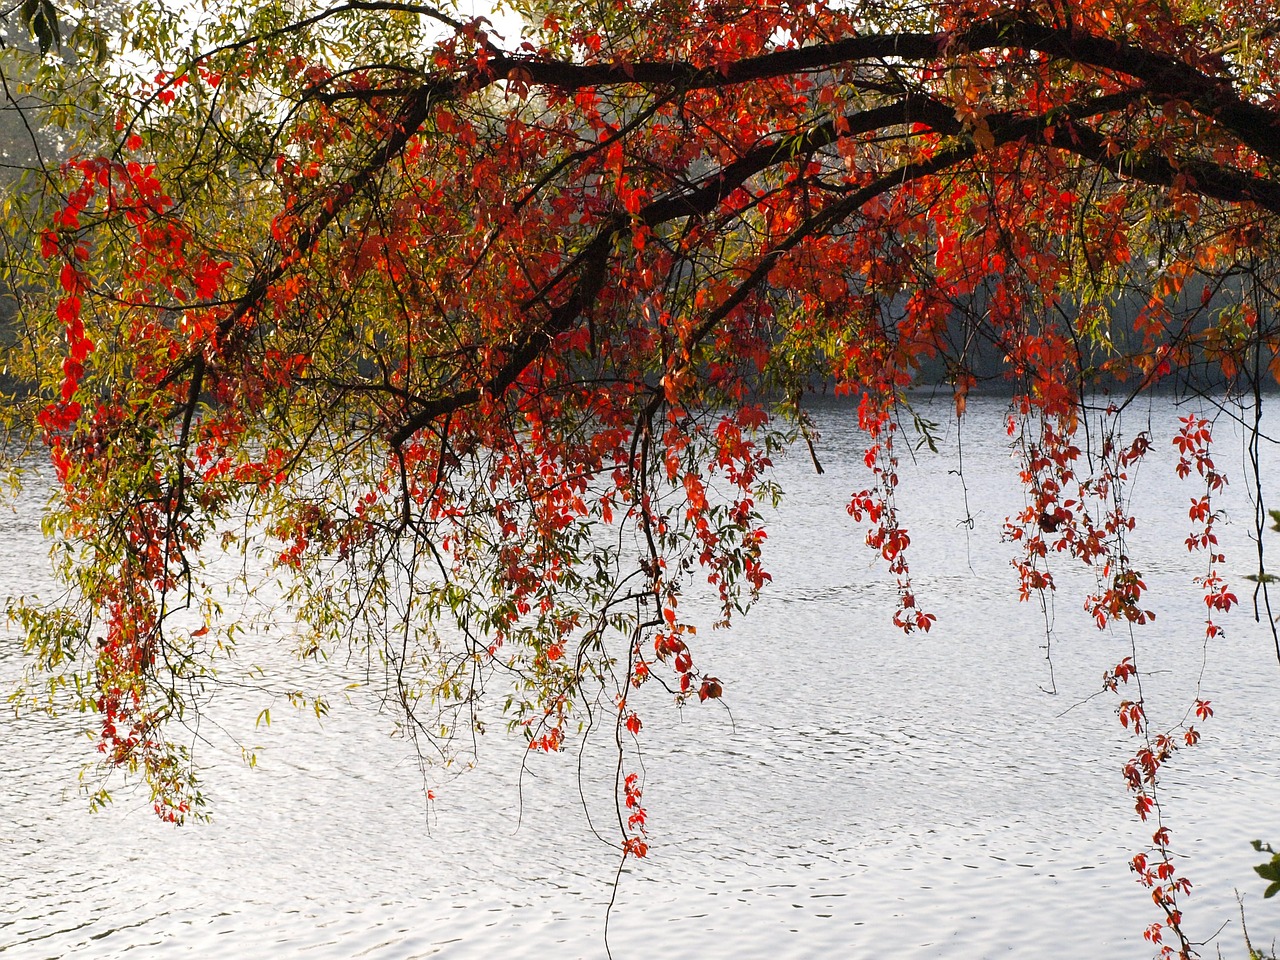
[[1164, 75]]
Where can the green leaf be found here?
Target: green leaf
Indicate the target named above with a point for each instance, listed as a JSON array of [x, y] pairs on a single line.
[[42, 17]]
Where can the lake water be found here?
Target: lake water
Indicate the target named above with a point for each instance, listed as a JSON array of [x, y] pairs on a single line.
[[870, 795]]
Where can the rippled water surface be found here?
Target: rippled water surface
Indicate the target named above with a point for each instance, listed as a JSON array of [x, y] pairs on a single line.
[[864, 794]]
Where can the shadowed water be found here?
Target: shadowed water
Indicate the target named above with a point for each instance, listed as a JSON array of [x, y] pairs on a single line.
[[858, 793]]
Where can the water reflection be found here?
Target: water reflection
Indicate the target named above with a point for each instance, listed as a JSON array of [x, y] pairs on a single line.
[[859, 793]]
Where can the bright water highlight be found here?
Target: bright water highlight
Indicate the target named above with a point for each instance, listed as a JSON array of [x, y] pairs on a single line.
[[859, 793]]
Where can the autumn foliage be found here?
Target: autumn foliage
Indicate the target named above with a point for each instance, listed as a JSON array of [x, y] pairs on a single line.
[[492, 339]]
